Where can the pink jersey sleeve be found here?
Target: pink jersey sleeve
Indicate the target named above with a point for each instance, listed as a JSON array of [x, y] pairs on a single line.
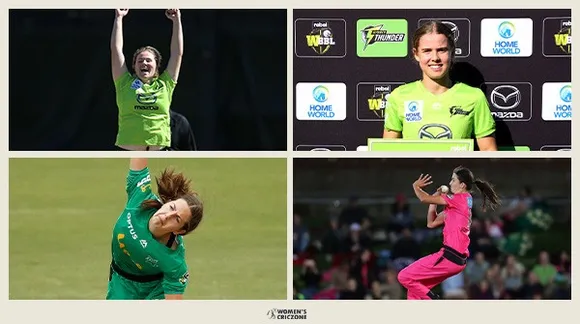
[[449, 199]]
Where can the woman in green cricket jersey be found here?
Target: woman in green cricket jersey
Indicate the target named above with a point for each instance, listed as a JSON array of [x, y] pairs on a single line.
[[144, 98], [148, 254], [435, 107]]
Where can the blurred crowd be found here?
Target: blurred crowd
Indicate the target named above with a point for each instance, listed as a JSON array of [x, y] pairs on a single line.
[[355, 259]]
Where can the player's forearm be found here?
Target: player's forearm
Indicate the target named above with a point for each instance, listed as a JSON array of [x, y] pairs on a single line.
[[431, 214], [137, 164], [427, 198], [117, 36], [177, 38]]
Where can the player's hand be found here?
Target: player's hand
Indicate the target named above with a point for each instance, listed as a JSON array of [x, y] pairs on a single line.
[[438, 192], [423, 181], [121, 12], [173, 14]]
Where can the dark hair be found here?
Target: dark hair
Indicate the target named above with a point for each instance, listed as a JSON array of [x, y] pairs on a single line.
[[490, 197], [437, 27], [172, 186], [156, 54]]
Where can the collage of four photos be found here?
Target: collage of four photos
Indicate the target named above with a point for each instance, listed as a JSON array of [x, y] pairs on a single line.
[[156, 108]]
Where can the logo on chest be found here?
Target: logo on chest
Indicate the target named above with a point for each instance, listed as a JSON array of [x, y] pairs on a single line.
[[413, 111], [435, 131], [146, 98], [458, 110]]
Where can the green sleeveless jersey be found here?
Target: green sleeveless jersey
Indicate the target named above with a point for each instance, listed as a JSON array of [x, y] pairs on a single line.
[[144, 110], [458, 113], [134, 248]]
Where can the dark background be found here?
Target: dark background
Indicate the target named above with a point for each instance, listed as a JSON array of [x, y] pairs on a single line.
[[232, 85], [473, 70]]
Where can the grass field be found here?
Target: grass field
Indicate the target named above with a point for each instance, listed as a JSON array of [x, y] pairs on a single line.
[[62, 212]]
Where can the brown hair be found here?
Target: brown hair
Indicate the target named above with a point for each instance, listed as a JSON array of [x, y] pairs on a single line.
[[156, 54], [172, 186], [490, 197], [436, 27]]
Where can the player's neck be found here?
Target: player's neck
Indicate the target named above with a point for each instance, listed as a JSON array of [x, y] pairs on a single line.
[[164, 238], [437, 87]]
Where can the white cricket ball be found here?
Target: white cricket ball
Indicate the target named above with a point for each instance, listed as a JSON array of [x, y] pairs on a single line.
[[444, 189]]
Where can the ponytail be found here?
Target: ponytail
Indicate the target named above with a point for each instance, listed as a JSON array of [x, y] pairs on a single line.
[[490, 197]]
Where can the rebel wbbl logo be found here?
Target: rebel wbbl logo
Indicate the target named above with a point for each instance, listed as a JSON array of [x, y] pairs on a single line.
[[319, 38]]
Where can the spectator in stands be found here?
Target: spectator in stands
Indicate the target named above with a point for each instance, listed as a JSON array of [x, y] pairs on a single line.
[[476, 269], [333, 240], [352, 291], [532, 288], [406, 250], [301, 235], [353, 213], [364, 269], [392, 289], [482, 291], [512, 275], [480, 241], [357, 241], [376, 291], [544, 270], [311, 277], [454, 287], [564, 264], [401, 217]]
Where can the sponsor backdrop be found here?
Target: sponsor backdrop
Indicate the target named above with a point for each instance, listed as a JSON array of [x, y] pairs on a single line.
[[346, 62]]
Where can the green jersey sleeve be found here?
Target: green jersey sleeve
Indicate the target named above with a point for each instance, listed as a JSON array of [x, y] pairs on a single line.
[[138, 187], [169, 83], [392, 120], [483, 123], [176, 280]]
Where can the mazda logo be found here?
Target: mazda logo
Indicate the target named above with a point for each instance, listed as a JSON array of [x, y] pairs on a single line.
[[435, 131], [505, 97], [454, 30]]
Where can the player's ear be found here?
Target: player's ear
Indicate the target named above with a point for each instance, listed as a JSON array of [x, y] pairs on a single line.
[[416, 55]]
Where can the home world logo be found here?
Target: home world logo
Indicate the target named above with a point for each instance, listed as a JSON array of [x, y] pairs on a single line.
[[286, 314]]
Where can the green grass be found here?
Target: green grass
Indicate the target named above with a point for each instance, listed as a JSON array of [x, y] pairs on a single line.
[[62, 212]]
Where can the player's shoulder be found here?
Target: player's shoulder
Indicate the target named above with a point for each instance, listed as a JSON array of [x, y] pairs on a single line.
[[406, 89], [467, 90]]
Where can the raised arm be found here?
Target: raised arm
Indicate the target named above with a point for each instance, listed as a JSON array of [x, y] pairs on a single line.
[[422, 195], [137, 164], [118, 64], [174, 63]]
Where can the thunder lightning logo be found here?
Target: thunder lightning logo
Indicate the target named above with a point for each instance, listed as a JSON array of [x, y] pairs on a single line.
[[563, 38], [373, 34], [321, 38]]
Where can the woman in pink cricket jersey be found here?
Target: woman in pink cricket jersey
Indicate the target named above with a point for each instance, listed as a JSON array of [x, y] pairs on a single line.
[[424, 274]]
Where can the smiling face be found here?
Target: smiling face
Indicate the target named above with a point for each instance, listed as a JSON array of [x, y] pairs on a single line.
[[433, 49], [433, 56], [145, 65]]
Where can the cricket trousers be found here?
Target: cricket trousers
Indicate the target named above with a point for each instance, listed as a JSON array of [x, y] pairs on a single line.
[[424, 274]]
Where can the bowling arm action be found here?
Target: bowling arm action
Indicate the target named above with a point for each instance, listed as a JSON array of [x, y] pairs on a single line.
[[433, 219]]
